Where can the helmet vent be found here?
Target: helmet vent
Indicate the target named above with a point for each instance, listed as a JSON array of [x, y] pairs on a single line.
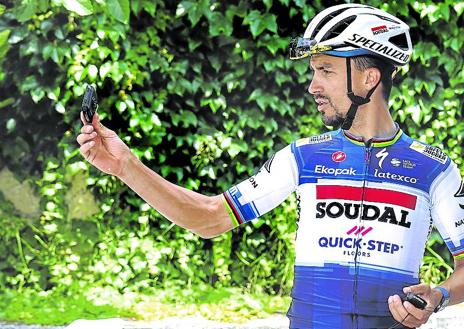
[[325, 20], [385, 18], [400, 41], [338, 28]]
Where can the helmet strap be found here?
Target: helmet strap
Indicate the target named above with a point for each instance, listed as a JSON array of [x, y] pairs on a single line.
[[356, 100]]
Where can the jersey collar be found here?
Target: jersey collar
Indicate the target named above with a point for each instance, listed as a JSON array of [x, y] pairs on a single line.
[[376, 141]]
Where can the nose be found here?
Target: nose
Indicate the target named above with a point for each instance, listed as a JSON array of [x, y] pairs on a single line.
[[314, 86]]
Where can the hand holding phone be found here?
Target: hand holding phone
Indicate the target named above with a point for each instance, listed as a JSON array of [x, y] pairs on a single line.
[[415, 300], [89, 103]]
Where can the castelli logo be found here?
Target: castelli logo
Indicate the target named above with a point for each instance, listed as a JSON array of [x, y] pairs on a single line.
[[339, 156]]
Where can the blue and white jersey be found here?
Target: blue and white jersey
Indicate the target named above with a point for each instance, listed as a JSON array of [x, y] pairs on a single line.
[[366, 211]]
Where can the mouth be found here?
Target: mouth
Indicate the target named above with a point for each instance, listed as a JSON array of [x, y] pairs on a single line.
[[321, 102]]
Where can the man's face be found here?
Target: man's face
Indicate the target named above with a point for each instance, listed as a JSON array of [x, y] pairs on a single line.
[[328, 87]]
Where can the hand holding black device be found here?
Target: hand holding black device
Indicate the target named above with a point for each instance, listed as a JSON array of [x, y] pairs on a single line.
[[89, 103], [415, 300]]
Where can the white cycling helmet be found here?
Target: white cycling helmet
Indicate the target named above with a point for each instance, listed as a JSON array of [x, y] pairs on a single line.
[[351, 30]]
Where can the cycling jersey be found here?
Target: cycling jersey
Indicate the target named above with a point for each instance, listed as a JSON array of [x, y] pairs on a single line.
[[365, 213]]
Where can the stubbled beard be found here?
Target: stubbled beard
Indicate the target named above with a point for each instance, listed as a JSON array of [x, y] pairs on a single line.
[[334, 121]]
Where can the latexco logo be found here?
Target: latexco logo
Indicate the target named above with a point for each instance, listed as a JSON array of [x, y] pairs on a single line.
[[334, 171], [397, 177]]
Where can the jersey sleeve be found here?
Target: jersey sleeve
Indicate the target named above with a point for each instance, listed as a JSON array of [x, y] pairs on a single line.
[[264, 191], [447, 209]]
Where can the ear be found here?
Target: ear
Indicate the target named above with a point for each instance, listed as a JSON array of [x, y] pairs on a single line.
[[372, 77]]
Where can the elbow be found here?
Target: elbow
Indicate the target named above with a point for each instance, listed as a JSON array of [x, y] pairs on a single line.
[[207, 235], [215, 221]]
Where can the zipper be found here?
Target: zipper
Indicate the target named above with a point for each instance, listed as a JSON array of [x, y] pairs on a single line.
[[367, 162]]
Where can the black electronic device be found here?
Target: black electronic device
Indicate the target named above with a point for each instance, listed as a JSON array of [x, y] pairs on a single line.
[[89, 103], [415, 300]]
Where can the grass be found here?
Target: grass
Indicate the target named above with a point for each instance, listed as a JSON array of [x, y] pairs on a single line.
[[53, 309], [230, 305]]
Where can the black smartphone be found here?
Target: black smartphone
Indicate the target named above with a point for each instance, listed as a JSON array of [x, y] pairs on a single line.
[[415, 300], [89, 103]]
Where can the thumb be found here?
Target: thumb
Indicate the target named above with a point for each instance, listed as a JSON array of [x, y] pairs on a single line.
[[98, 126]]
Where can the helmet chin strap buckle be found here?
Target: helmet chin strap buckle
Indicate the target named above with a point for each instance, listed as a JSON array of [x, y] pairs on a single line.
[[356, 100]]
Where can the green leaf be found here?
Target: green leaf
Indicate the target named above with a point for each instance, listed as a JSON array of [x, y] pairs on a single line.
[[136, 6], [6, 102], [2, 9], [274, 43], [218, 24], [92, 72], [80, 7], [195, 10], [445, 11], [258, 22], [189, 118], [459, 8], [11, 124], [4, 46], [26, 10], [119, 9]]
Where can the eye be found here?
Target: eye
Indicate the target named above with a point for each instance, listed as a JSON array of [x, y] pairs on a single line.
[[326, 71]]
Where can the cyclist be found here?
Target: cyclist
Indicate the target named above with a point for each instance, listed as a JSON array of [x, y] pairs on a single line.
[[368, 193]]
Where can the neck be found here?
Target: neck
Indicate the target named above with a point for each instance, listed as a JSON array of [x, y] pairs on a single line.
[[373, 120]]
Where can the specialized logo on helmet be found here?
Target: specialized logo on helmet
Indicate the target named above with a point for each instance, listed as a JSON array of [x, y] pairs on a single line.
[[379, 29], [359, 40]]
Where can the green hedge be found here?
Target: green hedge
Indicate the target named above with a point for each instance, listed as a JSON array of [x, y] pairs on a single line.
[[203, 93]]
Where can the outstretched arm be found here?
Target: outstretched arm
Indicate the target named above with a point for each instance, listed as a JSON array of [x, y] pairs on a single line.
[[206, 216], [203, 215]]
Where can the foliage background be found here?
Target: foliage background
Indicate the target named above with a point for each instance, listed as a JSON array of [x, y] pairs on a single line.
[[203, 93]]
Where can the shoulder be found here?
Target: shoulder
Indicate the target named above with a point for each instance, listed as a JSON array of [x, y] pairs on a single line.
[[306, 149], [432, 162], [432, 152]]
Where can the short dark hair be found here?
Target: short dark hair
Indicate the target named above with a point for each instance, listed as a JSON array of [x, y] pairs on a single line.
[[386, 70]]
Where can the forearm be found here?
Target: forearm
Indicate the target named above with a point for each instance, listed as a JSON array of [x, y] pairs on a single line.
[[455, 285], [203, 215]]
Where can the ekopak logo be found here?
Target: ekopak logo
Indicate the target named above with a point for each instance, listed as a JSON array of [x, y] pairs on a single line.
[[338, 156]]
